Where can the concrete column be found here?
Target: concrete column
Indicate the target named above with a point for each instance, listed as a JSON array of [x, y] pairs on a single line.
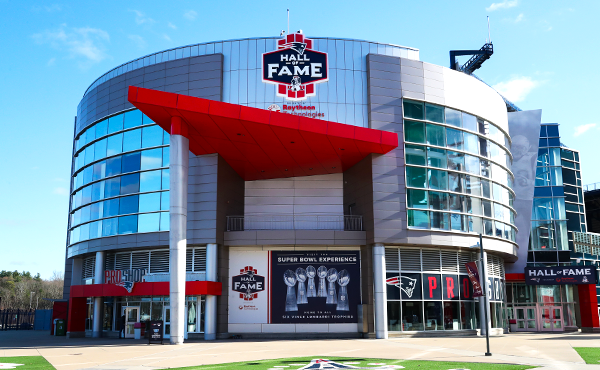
[[210, 306], [179, 166], [98, 279], [482, 305], [379, 291]]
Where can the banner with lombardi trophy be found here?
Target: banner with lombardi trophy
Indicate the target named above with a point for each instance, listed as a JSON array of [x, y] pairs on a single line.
[[524, 130]]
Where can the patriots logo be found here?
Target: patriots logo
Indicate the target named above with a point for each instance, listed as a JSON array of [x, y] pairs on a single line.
[[322, 364], [128, 285], [406, 284], [298, 47]]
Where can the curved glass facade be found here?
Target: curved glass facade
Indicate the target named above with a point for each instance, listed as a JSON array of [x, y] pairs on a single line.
[[457, 172], [120, 178]]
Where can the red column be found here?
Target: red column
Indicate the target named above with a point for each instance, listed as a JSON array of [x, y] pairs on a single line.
[[588, 308]]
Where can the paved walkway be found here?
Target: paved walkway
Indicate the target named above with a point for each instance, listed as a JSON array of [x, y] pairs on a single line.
[[549, 351]]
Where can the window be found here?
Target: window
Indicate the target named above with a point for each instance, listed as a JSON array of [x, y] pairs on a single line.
[[415, 154], [436, 157], [133, 119], [129, 205], [150, 181], [434, 113], [413, 109], [128, 224], [130, 183], [417, 198], [436, 135], [471, 143], [115, 144], [456, 161], [151, 159], [416, 177], [438, 201], [454, 138], [418, 219], [152, 136], [453, 117], [115, 123], [414, 132], [469, 122], [132, 140], [437, 179]]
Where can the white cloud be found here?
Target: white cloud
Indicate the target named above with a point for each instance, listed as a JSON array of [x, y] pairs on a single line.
[[517, 88], [166, 37], [140, 18], [171, 25], [50, 9], [581, 129], [60, 191], [138, 40], [84, 43], [519, 18], [51, 62], [190, 15], [503, 5]]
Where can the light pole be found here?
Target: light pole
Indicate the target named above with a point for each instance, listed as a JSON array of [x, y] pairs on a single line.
[[30, 296], [485, 296]]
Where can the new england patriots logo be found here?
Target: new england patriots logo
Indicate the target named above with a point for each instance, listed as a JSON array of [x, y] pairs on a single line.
[[406, 284], [298, 47], [128, 285]]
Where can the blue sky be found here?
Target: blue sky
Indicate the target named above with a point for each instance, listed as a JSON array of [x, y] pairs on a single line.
[[546, 55]]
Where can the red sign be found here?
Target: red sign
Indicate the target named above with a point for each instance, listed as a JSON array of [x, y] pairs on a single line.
[[474, 277]]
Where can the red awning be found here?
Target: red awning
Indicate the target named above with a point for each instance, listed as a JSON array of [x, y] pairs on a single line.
[[261, 144], [144, 288]]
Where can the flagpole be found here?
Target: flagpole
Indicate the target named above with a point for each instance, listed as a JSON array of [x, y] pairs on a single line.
[[485, 295]]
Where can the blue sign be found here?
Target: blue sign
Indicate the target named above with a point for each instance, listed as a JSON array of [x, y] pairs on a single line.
[[560, 275]]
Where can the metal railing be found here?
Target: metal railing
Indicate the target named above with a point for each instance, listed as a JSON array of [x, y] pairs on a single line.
[[591, 187], [295, 222], [16, 319]]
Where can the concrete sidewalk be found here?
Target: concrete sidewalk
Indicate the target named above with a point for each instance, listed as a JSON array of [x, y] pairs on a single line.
[[549, 351]]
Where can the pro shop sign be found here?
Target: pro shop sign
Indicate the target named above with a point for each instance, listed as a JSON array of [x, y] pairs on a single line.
[[295, 67]]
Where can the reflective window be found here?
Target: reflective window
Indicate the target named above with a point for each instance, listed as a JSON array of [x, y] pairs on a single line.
[[413, 109], [436, 157], [415, 154], [436, 135], [132, 140], [454, 138], [453, 117], [414, 131], [434, 113]]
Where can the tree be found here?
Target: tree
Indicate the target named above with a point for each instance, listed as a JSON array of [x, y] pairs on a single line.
[[19, 289]]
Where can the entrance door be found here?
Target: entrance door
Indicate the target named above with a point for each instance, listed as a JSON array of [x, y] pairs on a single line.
[[551, 318], [132, 315], [167, 321], [526, 320]]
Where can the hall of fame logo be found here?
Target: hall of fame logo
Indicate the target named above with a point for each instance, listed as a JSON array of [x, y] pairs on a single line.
[[295, 67], [248, 284]]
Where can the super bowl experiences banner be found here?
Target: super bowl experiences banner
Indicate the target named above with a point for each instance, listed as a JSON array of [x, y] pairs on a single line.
[[305, 287]]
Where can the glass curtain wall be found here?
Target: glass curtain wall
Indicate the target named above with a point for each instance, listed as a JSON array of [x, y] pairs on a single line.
[[548, 217], [120, 178], [457, 172]]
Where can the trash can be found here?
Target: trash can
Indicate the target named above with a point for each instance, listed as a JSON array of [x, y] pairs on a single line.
[[137, 330], [61, 328]]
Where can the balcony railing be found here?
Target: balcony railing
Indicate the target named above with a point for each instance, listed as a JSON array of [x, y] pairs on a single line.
[[295, 222]]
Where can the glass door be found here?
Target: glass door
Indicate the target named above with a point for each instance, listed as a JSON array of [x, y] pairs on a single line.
[[167, 321], [132, 315], [526, 320], [552, 318]]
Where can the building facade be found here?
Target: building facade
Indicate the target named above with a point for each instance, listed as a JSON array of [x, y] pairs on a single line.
[[334, 187]]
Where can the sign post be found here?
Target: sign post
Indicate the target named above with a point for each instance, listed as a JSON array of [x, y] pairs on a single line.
[[156, 332], [485, 299]]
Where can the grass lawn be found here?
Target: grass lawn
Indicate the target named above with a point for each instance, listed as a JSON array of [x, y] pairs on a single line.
[[363, 363], [591, 355], [26, 362]]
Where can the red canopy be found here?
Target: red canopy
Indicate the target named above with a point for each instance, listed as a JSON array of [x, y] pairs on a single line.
[[262, 144]]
